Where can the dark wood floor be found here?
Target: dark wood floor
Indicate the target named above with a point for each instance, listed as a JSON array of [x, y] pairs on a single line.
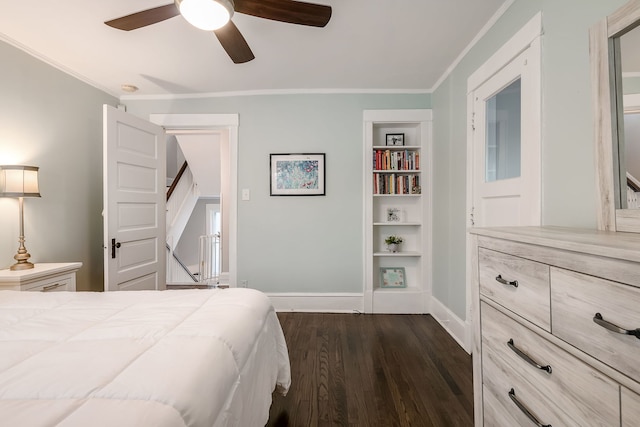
[[373, 370]]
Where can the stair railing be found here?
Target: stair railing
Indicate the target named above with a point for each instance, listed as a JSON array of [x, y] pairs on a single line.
[[182, 265], [210, 258], [175, 181]]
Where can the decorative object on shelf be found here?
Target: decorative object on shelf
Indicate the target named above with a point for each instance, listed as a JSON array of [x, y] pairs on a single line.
[[392, 277], [394, 215], [20, 182], [297, 174], [395, 139], [393, 243]]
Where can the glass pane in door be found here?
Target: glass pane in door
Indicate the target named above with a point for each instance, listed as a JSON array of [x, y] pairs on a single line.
[[503, 134]]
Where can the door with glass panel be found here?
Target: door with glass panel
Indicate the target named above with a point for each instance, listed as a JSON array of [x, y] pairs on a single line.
[[506, 149]]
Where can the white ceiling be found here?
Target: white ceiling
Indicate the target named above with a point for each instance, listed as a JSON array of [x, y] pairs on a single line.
[[403, 45]]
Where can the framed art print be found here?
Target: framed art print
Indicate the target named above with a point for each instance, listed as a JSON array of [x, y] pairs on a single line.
[[395, 139], [392, 277], [394, 215], [297, 174]]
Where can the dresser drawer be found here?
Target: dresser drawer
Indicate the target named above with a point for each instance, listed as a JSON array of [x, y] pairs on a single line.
[[60, 283], [630, 406], [581, 395], [577, 298], [499, 410], [530, 299]]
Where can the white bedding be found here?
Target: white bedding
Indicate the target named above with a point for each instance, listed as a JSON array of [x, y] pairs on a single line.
[[145, 358]]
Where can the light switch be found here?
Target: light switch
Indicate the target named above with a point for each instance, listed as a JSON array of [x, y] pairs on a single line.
[[246, 194]]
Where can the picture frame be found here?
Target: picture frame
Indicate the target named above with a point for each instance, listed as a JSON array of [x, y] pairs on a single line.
[[393, 277], [394, 139], [394, 215], [297, 174]]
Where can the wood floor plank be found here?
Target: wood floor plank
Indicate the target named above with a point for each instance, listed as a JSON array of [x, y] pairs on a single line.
[[373, 370]]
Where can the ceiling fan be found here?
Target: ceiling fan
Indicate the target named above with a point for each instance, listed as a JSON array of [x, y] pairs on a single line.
[[233, 42]]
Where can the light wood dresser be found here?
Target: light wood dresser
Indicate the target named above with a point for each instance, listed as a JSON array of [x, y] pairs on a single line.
[[557, 327], [43, 277]]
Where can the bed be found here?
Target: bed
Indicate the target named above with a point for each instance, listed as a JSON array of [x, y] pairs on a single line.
[[145, 358]]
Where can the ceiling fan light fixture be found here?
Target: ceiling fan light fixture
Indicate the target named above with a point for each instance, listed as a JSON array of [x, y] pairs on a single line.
[[207, 15]]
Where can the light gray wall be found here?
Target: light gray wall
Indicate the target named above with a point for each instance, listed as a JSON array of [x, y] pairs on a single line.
[[300, 244], [632, 144], [568, 174], [297, 244], [172, 157], [631, 85], [189, 244], [52, 120]]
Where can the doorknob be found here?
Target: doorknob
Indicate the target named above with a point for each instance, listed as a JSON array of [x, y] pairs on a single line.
[[114, 245]]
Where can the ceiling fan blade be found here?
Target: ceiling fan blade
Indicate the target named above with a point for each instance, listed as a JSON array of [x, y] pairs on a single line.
[[294, 12], [234, 43], [144, 18]]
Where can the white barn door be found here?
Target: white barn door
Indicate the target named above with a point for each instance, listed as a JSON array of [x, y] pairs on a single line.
[[134, 202]]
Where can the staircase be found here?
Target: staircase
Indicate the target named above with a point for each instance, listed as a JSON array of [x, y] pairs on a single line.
[[182, 197]]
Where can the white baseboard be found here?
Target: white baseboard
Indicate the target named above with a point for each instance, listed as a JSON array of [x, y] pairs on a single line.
[[318, 302], [456, 327]]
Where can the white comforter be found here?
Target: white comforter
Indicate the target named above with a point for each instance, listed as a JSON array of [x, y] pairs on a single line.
[[171, 358]]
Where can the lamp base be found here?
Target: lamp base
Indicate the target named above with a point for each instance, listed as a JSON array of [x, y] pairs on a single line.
[[22, 256], [24, 265]]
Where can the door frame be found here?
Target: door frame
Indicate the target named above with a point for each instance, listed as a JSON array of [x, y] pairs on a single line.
[[190, 123], [528, 37]]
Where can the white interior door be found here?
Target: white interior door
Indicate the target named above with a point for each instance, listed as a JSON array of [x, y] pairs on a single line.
[[519, 57], [506, 149], [134, 202]]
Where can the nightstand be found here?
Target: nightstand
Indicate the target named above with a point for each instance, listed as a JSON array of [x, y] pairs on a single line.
[[43, 277]]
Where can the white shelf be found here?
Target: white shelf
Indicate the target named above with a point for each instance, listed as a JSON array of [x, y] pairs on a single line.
[[397, 254], [398, 171], [414, 209], [395, 224], [397, 195], [401, 290], [396, 147]]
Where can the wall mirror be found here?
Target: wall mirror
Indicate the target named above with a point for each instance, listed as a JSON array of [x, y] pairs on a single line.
[[615, 68], [627, 72]]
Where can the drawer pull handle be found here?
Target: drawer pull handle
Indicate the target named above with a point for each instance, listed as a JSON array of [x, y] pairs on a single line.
[[525, 410], [615, 328], [527, 358], [52, 287], [513, 283]]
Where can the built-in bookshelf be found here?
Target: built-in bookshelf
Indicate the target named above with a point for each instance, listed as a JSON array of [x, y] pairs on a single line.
[[397, 177]]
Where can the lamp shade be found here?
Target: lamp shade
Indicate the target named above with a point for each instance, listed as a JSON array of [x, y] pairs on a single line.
[[207, 15], [19, 181]]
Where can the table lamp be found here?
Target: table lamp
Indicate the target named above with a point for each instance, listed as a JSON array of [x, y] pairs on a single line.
[[20, 182]]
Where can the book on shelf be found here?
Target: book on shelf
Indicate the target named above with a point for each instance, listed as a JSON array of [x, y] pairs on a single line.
[[396, 160], [392, 183]]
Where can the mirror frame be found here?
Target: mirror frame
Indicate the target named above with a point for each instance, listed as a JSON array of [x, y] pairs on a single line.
[[607, 107]]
